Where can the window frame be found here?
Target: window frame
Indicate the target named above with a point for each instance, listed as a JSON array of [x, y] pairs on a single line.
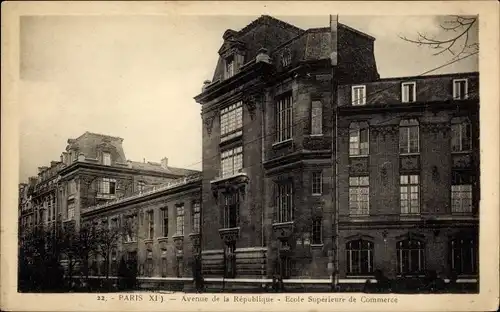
[[284, 201], [466, 87], [151, 224], [359, 187], [407, 125], [316, 118], [409, 192], [106, 156], [356, 127], [179, 220], [235, 155], [317, 229], [196, 217], [414, 93], [284, 117], [421, 253], [474, 253], [164, 224], [461, 122], [317, 184], [230, 210], [229, 130], [358, 101], [355, 254], [229, 67]]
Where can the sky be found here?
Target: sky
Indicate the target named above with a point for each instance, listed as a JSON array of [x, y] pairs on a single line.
[[135, 77]]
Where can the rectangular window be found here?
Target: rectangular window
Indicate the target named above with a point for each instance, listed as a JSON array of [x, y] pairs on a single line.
[[408, 92], [231, 121], [231, 210], [461, 198], [410, 194], [463, 255], [359, 257], [140, 186], [232, 161], [410, 257], [317, 183], [317, 231], [106, 159], [131, 228], [180, 220], [71, 210], [409, 137], [460, 89], [359, 139], [107, 186], [229, 67], [151, 225], [359, 195], [196, 217], [284, 202], [460, 135], [72, 187], [284, 118], [164, 217], [316, 118], [358, 95]]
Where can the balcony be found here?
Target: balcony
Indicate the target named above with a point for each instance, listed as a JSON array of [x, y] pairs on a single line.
[[229, 235], [236, 181], [283, 230]]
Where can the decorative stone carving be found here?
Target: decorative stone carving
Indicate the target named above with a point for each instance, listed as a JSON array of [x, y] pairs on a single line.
[[461, 161], [250, 102], [178, 242], [208, 121], [436, 128], [384, 131], [409, 162], [195, 239], [358, 165], [283, 231], [230, 235]]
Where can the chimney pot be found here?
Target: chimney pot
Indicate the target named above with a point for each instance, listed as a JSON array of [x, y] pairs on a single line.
[[164, 162]]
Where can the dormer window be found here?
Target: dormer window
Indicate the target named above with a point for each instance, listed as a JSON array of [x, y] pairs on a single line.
[[229, 67], [408, 92], [460, 89], [286, 58], [106, 159]]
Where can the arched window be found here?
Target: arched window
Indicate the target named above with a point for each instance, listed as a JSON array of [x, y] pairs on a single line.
[[408, 136], [463, 255], [359, 139], [410, 257], [460, 134], [359, 257]]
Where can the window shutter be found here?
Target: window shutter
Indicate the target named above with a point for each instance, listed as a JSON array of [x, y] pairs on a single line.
[[275, 202]]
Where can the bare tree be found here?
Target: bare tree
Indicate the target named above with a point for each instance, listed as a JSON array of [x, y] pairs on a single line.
[[107, 240], [459, 37]]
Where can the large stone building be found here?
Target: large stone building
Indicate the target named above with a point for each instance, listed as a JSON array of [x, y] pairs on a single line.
[[404, 160], [307, 167], [92, 170]]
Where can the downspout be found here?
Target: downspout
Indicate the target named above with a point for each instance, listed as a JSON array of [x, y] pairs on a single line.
[[262, 142]]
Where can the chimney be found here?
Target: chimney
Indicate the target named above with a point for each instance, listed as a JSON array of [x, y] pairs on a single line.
[[262, 56], [53, 163], [164, 162]]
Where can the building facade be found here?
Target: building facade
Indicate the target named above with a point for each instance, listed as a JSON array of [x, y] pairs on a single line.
[[92, 170], [283, 169], [408, 177], [311, 161]]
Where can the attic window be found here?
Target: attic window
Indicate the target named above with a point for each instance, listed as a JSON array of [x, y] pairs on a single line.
[[286, 58], [229, 67], [106, 159]]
